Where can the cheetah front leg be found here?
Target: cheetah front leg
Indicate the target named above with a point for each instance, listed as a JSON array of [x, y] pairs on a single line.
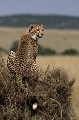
[[10, 61]]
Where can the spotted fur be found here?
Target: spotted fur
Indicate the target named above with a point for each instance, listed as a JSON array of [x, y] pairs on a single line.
[[24, 59]]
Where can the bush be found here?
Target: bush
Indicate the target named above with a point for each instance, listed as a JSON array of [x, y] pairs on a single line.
[[70, 52], [3, 50], [41, 50], [50, 90], [14, 46], [45, 51]]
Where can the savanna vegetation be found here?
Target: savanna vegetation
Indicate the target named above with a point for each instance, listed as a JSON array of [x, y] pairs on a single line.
[[12, 98], [50, 90], [49, 21], [42, 50]]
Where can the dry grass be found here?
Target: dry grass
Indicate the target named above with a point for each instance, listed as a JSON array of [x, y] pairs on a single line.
[[58, 40], [71, 65], [8, 35], [50, 89]]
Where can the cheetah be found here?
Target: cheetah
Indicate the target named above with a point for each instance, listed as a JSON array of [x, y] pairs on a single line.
[[24, 59]]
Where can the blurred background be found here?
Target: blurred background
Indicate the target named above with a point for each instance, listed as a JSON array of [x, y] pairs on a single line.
[[60, 45]]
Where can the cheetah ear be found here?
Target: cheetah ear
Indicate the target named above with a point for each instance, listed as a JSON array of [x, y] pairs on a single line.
[[30, 28], [41, 25]]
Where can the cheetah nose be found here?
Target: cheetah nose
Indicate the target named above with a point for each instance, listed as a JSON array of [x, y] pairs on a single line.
[[41, 34]]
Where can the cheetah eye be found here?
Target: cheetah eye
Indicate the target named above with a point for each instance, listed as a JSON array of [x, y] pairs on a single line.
[[37, 29]]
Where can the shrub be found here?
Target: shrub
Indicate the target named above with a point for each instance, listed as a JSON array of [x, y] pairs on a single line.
[[41, 50], [70, 52], [50, 90], [45, 51], [3, 50], [14, 46]]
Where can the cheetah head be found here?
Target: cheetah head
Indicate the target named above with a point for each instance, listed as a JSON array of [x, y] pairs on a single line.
[[36, 31]]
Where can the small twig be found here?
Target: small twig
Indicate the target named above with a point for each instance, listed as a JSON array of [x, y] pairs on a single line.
[[53, 117], [43, 113], [47, 115], [58, 103], [59, 106]]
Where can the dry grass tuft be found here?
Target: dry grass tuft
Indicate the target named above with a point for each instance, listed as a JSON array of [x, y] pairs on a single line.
[[49, 90]]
